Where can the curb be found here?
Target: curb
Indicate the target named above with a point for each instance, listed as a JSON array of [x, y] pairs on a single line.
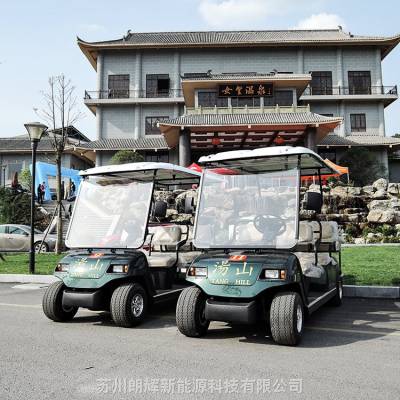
[[21, 278], [368, 292], [372, 292]]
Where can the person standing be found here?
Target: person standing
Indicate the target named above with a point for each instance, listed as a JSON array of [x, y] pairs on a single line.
[[39, 194], [43, 191], [73, 188]]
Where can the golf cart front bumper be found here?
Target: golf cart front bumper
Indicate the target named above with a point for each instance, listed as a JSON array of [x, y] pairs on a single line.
[[93, 299], [241, 313]]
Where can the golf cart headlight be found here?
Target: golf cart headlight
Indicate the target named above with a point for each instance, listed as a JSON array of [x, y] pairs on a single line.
[[200, 272], [62, 267], [119, 269], [273, 274]]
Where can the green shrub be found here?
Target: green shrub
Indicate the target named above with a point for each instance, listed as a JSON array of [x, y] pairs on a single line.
[[125, 157], [364, 167]]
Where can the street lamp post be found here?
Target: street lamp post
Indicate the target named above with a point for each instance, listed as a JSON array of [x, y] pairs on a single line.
[[35, 132]]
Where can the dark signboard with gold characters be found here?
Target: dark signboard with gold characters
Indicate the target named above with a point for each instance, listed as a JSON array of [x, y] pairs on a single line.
[[246, 90]]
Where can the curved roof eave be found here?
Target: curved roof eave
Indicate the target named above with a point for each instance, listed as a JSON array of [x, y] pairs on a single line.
[[90, 49]]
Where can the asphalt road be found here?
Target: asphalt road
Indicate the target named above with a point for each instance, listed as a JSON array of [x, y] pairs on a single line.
[[352, 352]]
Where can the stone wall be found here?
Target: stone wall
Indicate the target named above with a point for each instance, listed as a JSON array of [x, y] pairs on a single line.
[[369, 214]]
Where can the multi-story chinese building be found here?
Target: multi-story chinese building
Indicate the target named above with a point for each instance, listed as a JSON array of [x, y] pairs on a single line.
[[178, 95]]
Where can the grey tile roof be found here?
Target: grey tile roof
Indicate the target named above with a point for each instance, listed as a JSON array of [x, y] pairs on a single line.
[[238, 37], [275, 76], [359, 140], [146, 143], [249, 119], [18, 144]]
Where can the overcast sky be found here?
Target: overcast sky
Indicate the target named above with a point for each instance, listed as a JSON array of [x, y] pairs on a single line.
[[38, 39]]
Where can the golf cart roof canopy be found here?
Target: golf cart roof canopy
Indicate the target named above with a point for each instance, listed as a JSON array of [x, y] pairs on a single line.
[[269, 159], [163, 173]]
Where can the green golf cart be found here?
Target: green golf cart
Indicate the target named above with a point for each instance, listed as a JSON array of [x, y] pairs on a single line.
[[126, 253], [259, 260]]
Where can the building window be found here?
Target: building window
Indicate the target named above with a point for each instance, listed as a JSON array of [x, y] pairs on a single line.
[[211, 99], [157, 85], [151, 125], [321, 82], [358, 122], [327, 115], [156, 156], [280, 97], [118, 86], [245, 101], [359, 82]]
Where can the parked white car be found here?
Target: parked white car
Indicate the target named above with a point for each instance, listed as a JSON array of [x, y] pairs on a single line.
[[17, 238]]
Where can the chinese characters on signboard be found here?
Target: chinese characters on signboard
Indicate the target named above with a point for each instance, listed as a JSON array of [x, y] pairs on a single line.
[[246, 90]]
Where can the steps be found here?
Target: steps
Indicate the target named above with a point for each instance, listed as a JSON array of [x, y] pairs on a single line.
[[50, 207]]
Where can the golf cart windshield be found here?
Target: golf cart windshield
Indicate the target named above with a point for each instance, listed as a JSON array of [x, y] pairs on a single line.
[[110, 213], [242, 209]]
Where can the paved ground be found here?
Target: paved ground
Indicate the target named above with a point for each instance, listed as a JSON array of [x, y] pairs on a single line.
[[348, 353]]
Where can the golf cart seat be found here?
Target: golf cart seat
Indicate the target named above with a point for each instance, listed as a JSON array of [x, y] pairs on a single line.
[[167, 239], [163, 238], [308, 266]]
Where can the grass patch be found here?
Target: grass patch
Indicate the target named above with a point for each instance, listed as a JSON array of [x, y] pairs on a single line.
[[374, 265], [19, 263]]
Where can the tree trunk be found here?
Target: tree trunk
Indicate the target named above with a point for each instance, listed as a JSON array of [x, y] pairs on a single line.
[[60, 242]]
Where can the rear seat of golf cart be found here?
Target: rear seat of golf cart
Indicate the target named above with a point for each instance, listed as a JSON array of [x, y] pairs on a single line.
[[309, 235], [168, 249]]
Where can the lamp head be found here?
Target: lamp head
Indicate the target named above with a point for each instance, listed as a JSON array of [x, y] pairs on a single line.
[[35, 130]]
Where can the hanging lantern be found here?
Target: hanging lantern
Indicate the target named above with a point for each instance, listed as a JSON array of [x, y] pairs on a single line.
[[279, 140]]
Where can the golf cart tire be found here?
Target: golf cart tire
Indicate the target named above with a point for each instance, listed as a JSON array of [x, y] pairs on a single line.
[[121, 305], [337, 300], [52, 304], [189, 309], [283, 318]]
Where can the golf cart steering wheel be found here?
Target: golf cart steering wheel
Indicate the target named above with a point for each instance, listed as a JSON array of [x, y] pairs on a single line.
[[269, 225]]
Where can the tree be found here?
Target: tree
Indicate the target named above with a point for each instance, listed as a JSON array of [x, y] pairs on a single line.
[[364, 168], [59, 112], [126, 156], [25, 179], [15, 207]]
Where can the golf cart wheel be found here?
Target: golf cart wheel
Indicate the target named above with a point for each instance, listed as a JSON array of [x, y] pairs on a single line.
[[337, 300], [190, 312], [44, 248], [52, 304], [128, 305], [287, 318]]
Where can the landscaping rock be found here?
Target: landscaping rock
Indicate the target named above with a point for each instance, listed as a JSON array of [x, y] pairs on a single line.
[[359, 241], [381, 184], [380, 194], [394, 189], [368, 190], [378, 216], [392, 204], [343, 191], [171, 212]]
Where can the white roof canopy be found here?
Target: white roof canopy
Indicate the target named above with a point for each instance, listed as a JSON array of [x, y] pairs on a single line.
[[164, 173], [270, 158]]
